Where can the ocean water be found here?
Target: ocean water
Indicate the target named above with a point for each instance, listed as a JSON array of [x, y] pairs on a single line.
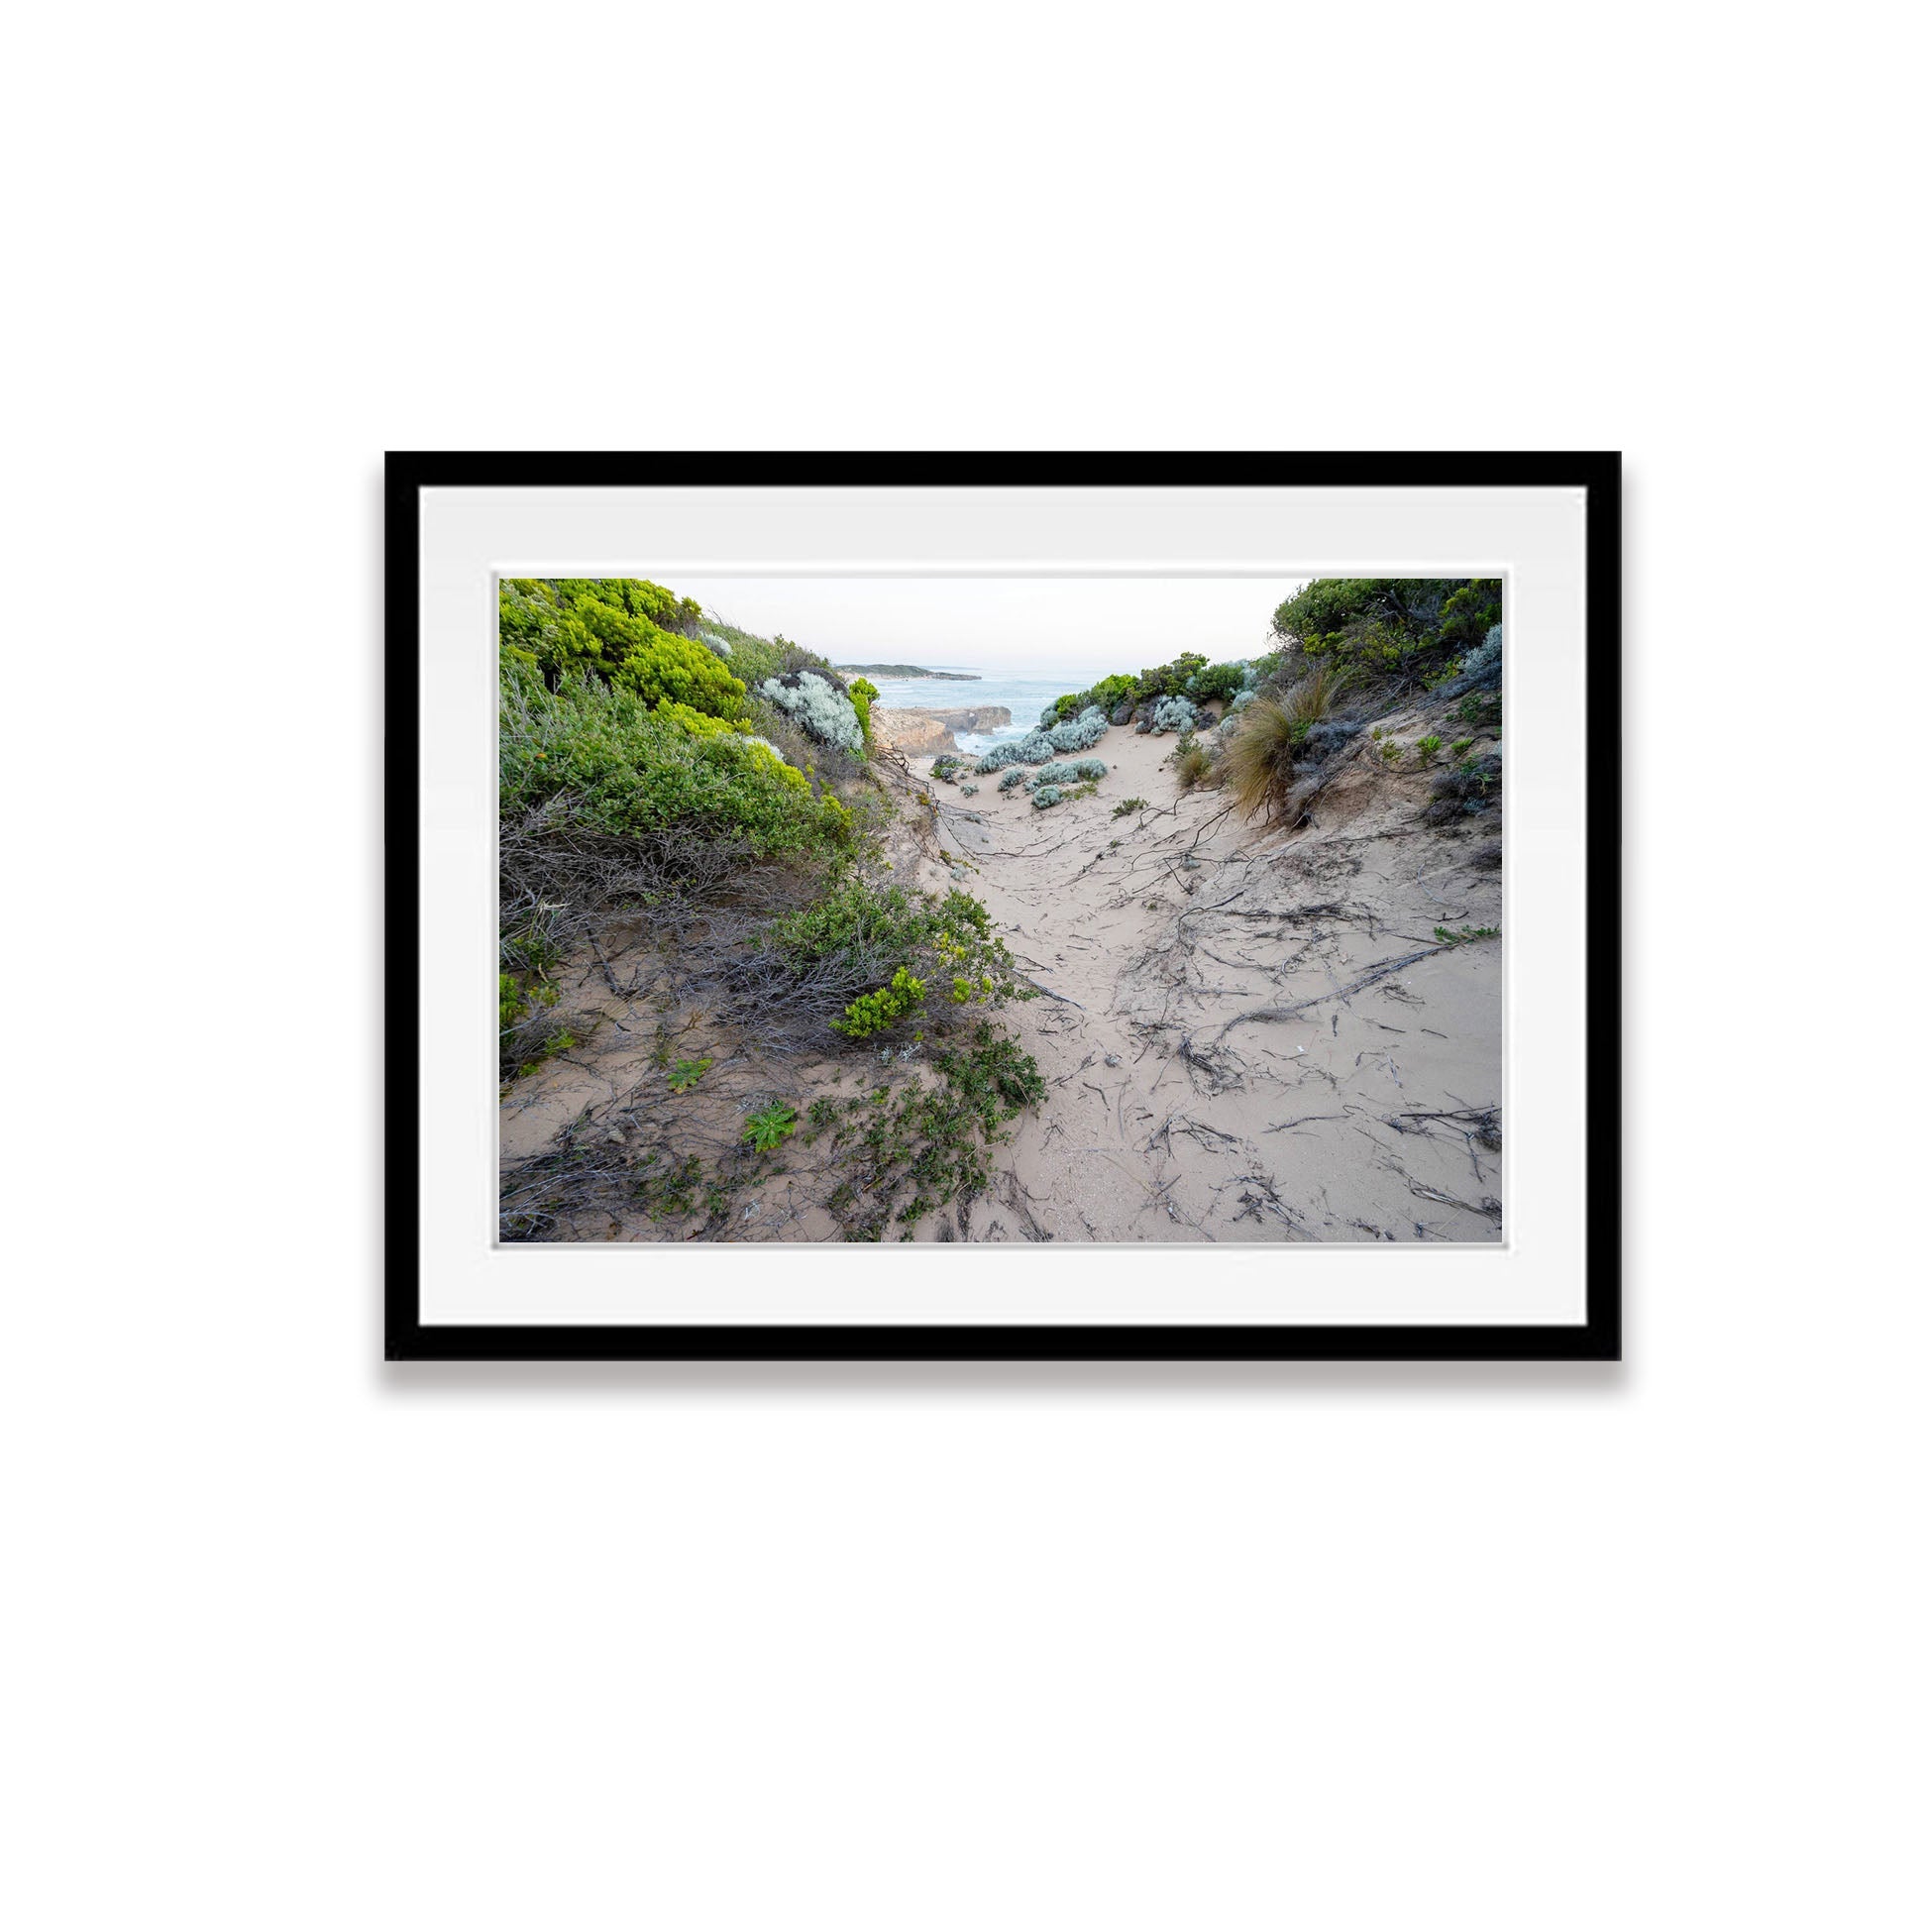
[[1024, 697]]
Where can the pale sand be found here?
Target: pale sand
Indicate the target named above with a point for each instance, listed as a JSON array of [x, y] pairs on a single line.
[[1313, 1125], [1362, 1103]]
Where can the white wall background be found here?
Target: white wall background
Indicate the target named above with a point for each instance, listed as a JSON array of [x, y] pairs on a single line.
[[293, 1641]]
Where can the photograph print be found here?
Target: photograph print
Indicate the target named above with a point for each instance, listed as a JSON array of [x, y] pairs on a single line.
[[1076, 909]]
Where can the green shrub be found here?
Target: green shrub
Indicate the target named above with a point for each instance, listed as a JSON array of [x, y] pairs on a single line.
[[1218, 680], [864, 693], [675, 671], [1409, 629], [1110, 692], [687, 1074], [601, 625], [903, 1154], [620, 767], [874, 1012], [863, 931], [1427, 748], [1169, 679]]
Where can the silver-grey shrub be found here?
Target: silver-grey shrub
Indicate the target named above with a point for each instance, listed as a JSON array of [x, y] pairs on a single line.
[[1034, 749], [1080, 733], [1047, 794], [1016, 776], [1483, 666], [1486, 653], [1174, 714], [820, 707], [1070, 771]]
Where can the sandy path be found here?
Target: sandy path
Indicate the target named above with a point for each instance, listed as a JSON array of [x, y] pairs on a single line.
[[1359, 1105]]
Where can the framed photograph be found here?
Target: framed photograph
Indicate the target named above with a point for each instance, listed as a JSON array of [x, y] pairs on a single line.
[[1003, 906]]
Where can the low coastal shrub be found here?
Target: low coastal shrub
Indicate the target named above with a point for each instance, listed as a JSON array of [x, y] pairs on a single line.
[[1015, 778], [601, 756], [1217, 681], [1174, 714], [818, 703], [906, 1153], [590, 624], [1034, 749], [1069, 771], [862, 932], [1128, 806], [1406, 632], [1465, 790], [675, 671], [874, 1013], [1046, 795], [1079, 734], [1169, 679], [1105, 695]]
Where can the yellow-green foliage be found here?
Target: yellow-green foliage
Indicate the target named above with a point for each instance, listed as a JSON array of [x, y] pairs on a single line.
[[634, 634], [872, 1013], [864, 693], [670, 669], [700, 724]]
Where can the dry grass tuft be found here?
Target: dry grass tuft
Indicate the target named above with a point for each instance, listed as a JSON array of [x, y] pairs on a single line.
[[1315, 696], [1194, 766], [1259, 764]]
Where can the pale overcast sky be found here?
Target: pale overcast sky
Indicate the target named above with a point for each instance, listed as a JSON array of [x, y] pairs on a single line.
[[1013, 624]]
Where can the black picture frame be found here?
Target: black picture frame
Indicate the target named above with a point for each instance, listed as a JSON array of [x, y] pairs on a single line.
[[1598, 1337]]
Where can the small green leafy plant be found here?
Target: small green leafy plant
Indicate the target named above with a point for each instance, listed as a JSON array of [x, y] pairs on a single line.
[[687, 1074], [1128, 806], [1468, 933], [1427, 748], [770, 1125]]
